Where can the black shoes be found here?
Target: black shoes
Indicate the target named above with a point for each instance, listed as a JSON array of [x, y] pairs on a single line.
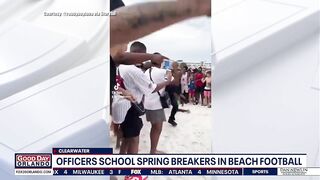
[[172, 122]]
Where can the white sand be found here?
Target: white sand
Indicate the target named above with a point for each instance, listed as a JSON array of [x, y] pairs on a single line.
[[191, 135]]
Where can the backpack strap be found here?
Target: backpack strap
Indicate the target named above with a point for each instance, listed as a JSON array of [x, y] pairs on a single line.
[[152, 80]]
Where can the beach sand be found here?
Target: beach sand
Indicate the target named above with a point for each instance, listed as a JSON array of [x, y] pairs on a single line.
[[191, 135]]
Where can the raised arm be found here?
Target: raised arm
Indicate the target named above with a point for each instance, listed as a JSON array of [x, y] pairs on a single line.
[[137, 58], [133, 22]]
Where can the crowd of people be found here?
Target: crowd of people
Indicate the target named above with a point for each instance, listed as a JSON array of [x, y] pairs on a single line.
[[196, 85], [137, 80]]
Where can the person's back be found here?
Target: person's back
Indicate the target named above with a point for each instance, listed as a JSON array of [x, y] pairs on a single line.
[[154, 110], [174, 89], [184, 80], [176, 73], [158, 75], [135, 82], [192, 85]]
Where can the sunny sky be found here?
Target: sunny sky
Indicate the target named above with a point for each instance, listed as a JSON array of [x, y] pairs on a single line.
[[189, 40]]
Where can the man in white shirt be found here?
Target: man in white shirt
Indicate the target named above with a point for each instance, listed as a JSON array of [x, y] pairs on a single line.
[[154, 111]]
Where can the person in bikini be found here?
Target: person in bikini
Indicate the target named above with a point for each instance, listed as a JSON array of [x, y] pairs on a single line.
[[207, 89]]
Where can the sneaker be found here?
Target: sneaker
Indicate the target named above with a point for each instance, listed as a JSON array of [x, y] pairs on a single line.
[[172, 122]]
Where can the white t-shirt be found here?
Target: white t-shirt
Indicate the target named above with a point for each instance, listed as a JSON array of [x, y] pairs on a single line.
[[152, 101], [136, 82]]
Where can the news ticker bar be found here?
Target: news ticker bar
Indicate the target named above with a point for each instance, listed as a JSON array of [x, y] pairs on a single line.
[[175, 172], [194, 172], [102, 161]]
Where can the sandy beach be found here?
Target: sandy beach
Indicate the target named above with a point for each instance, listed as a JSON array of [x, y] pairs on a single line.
[[192, 135]]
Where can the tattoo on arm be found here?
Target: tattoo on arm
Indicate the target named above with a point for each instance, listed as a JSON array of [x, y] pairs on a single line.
[[160, 17], [139, 20]]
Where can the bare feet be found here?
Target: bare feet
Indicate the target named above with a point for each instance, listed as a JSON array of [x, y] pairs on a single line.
[[160, 152]]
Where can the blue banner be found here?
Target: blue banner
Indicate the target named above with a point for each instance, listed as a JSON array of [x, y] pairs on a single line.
[[260, 171]]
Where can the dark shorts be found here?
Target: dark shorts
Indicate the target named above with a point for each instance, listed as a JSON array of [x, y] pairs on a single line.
[[171, 89], [132, 124], [199, 89]]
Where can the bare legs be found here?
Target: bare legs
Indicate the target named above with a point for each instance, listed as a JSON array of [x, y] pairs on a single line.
[[155, 133], [206, 100], [130, 145], [202, 98]]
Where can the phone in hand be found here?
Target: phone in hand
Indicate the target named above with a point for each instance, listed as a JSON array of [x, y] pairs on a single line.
[[167, 64]]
